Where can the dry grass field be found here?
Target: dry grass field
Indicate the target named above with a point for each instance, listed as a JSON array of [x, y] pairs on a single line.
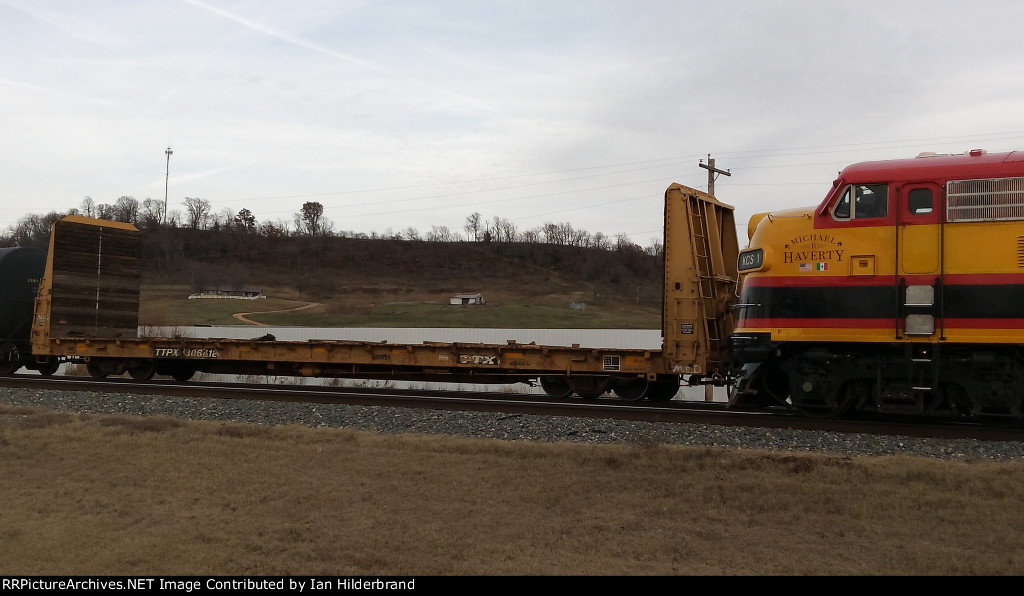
[[87, 494], [99, 495]]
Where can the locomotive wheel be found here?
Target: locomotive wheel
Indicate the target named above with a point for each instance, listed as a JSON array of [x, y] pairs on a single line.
[[775, 384], [827, 406], [556, 387], [632, 390]]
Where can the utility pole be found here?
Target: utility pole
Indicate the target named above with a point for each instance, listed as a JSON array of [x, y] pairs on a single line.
[[712, 170], [167, 179], [709, 390]]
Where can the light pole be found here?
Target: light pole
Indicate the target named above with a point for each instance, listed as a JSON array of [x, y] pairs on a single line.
[[167, 180]]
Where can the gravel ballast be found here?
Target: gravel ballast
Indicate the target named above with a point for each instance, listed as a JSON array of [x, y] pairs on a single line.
[[510, 427]]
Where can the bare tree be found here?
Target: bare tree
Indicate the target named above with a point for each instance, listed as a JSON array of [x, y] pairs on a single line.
[[126, 209], [533, 236], [88, 207], [245, 221], [198, 212], [623, 243], [441, 234], [504, 230], [472, 227], [151, 213], [273, 230], [555, 234], [105, 211], [33, 230], [223, 220], [311, 220], [577, 237], [175, 218]]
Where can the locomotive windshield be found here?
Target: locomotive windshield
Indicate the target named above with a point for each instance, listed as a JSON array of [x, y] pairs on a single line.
[[860, 201]]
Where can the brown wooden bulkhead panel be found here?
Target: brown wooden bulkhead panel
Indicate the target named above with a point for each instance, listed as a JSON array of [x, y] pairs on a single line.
[[95, 280]]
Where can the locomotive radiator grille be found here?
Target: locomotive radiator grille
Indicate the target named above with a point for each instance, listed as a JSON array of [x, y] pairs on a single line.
[[988, 199]]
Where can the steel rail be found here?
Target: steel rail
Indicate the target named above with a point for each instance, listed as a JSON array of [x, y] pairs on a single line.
[[675, 411]]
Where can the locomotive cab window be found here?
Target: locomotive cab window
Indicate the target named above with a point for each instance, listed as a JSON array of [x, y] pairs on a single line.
[[862, 201], [920, 201]]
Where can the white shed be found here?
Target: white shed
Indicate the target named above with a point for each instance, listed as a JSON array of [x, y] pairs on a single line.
[[461, 299]]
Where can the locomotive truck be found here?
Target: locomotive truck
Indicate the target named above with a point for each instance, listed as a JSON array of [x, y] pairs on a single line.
[[902, 292]]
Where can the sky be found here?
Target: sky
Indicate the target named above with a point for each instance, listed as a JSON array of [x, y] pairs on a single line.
[[416, 114]]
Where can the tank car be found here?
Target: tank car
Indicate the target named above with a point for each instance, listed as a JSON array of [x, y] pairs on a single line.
[[21, 269], [902, 292]]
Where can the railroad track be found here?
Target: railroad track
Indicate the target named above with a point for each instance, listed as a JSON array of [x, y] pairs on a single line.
[[675, 411]]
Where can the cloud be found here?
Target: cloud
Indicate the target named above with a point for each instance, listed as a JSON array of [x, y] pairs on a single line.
[[409, 114]]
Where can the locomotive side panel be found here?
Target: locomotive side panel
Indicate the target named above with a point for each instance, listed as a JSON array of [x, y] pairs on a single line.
[[819, 284], [983, 257]]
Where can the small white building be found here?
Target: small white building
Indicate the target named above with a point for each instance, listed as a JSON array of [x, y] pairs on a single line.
[[230, 294], [463, 299]]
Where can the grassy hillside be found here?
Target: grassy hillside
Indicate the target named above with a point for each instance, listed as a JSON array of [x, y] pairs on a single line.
[[379, 283]]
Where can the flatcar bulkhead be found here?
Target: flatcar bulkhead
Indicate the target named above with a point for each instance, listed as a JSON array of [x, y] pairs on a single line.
[[902, 292]]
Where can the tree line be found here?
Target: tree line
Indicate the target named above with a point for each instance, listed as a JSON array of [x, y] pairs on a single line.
[[309, 221]]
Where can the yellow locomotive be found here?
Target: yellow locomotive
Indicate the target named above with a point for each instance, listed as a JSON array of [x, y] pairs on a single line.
[[902, 292]]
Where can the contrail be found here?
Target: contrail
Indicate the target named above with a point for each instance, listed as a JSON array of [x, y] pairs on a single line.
[[57, 92], [302, 43], [283, 36]]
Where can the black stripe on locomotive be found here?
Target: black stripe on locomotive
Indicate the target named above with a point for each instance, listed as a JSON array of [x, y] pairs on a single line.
[[965, 301]]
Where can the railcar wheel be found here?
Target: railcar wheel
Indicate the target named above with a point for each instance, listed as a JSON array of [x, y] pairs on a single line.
[[556, 387], [590, 387], [49, 367], [183, 374], [95, 370], [631, 390], [143, 371], [662, 390], [10, 359]]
